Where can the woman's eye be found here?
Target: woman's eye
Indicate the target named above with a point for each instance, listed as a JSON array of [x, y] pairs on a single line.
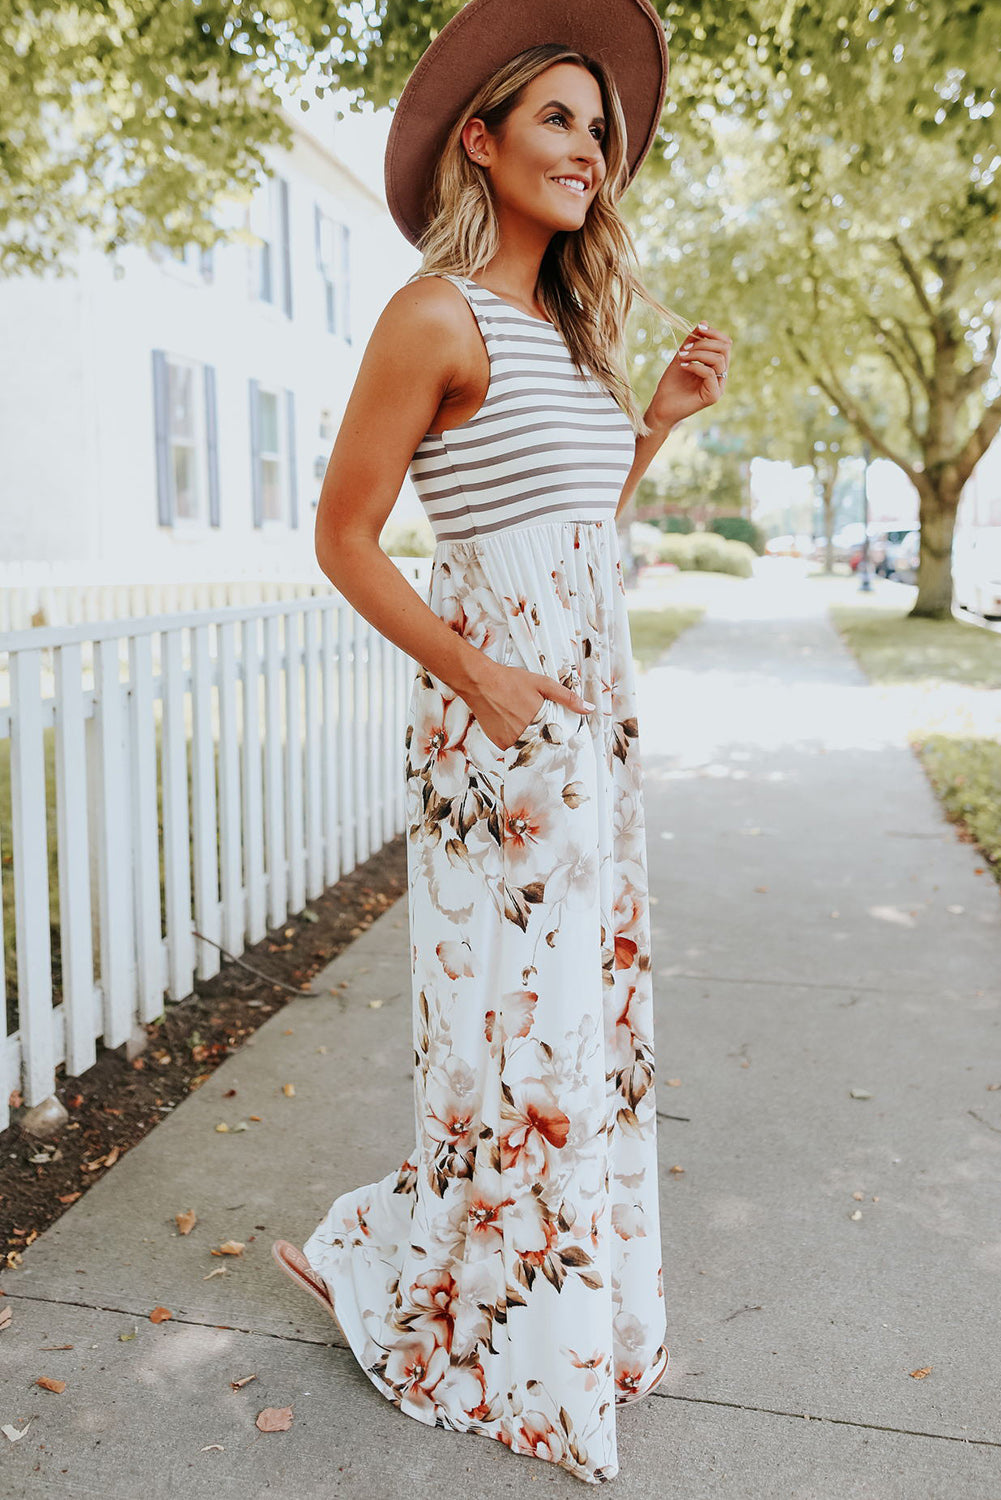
[[596, 130]]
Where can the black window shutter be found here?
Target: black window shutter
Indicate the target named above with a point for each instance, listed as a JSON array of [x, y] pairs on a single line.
[[212, 444], [293, 489], [161, 419], [255, 458], [286, 247]]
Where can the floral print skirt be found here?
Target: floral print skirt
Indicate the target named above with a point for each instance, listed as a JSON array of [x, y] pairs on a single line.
[[506, 1278]]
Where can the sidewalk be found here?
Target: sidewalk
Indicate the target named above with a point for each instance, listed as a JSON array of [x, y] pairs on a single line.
[[818, 929]]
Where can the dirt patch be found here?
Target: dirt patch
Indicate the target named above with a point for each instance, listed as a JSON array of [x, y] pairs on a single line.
[[117, 1102]]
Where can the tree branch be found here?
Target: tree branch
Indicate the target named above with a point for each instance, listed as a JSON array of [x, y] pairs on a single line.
[[979, 441], [916, 359], [851, 411], [893, 356], [914, 277]]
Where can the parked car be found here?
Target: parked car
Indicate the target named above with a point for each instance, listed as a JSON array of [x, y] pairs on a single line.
[[976, 571], [877, 552], [903, 550]]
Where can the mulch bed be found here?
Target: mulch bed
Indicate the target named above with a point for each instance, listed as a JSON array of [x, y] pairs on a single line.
[[117, 1101]]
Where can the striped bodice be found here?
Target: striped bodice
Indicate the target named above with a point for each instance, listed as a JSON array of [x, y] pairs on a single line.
[[546, 444]]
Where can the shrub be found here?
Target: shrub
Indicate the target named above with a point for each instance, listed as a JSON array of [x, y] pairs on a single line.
[[407, 538], [704, 551], [740, 529]]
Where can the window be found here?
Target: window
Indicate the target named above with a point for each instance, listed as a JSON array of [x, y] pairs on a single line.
[[272, 254], [187, 461], [193, 261], [274, 488], [333, 257]]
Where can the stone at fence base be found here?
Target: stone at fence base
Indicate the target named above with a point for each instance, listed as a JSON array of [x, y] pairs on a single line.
[[44, 1119], [137, 1042]]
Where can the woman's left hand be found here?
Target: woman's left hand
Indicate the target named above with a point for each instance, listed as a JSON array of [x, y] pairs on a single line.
[[695, 377]]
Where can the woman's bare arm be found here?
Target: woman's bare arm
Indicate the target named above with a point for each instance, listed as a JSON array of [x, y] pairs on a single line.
[[420, 355], [409, 367]]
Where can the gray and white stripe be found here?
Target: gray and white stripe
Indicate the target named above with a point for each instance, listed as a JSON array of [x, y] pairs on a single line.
[[546, 444]]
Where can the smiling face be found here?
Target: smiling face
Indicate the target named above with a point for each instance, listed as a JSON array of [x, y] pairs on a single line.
[[546, 162]]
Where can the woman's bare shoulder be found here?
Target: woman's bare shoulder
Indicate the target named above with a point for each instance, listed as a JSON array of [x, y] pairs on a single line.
[[428, 307]]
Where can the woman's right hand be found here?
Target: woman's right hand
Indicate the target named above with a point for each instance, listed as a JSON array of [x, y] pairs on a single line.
[[510, 698]]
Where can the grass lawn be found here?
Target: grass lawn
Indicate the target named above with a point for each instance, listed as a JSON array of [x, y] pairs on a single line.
[[653, 630], [947, 675]]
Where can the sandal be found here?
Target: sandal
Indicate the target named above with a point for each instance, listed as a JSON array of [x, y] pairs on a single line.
[[297, 1267]]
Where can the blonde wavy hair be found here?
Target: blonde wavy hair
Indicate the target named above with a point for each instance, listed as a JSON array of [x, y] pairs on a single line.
[[588, 277]]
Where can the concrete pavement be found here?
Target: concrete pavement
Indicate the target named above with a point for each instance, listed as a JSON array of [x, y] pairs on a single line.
[[818, 930]]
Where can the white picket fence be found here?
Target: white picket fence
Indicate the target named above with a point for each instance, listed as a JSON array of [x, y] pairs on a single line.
[[214, 771]]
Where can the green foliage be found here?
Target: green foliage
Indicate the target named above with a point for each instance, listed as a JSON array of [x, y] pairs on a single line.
[[683, 524], [132, 120], [740, 529], [407, 539], [700, 551]]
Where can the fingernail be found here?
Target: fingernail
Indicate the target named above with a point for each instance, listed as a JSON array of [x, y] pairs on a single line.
[[702, 325]]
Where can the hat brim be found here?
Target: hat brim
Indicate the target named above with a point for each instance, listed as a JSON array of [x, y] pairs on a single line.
[[626, 36]]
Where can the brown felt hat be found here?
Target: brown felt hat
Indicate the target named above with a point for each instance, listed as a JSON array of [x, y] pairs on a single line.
[[626, 36]]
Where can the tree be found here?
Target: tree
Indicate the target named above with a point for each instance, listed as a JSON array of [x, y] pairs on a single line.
[[840, 216], [130, 120]]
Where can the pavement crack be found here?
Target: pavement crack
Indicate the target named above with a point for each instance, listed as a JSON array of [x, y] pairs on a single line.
[[799, 1416], [143, 1317]]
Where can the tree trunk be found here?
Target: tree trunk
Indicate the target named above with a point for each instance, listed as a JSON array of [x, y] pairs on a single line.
[[828, 482], [938, 521]]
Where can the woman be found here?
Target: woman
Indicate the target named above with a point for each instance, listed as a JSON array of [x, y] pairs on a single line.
[[506, 1279]]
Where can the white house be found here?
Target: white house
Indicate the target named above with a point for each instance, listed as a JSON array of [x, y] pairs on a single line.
[[168, 418]]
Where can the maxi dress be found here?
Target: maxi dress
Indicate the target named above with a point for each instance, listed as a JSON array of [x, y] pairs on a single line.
[[506, 1279]]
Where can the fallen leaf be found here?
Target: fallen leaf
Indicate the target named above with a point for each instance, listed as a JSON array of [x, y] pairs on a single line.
[[48, 1384], [160, 1315], [858, 1197], [49, 1348], [14, 1259], [5, 1317], [229, 1093], [239, 1384], [242, 1126], [123, 1338], [288, 1089], [856, 1215], [186, 1221], [275, 1419], [68, 1197], [676, 1169], [920, 1374], [254, 1117], [219, 1271], [230, 1247]]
